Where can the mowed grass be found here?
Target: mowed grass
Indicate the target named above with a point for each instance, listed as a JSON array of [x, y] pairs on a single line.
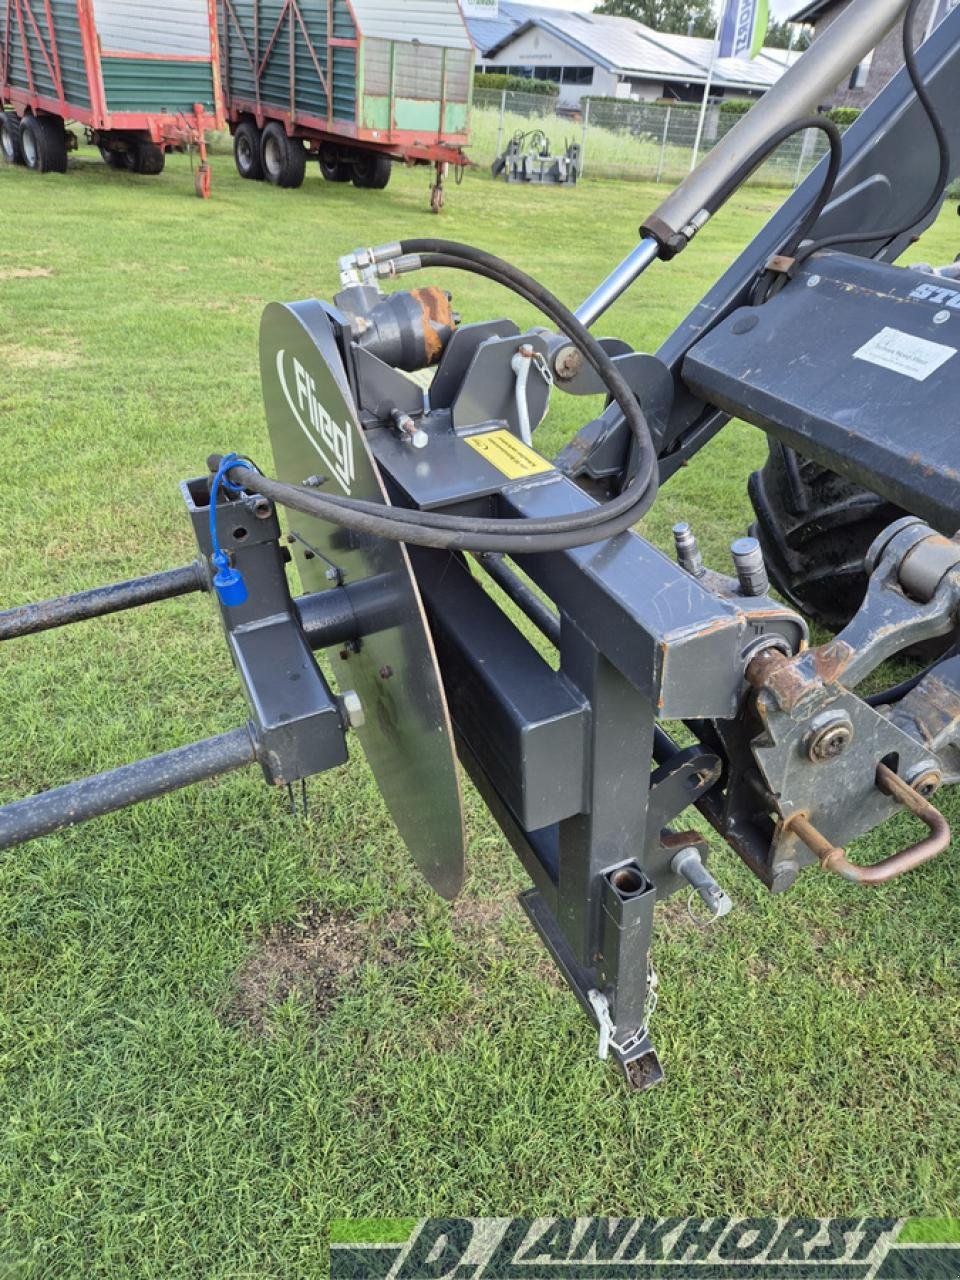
[[148, 1127]]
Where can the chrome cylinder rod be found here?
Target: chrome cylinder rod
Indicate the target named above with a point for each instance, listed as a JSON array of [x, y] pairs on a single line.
[[618, 282]]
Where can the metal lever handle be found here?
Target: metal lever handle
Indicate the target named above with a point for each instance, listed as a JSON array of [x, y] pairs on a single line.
[[898, 864]]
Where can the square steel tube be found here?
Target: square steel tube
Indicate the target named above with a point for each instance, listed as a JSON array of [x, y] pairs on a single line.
[[676, 642], [524, 723]]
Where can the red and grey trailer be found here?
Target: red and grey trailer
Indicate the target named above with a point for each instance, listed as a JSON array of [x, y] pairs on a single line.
[[139, 78], [355, 83]]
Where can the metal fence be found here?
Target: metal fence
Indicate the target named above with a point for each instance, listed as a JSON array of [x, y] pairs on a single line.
[[644, 141]]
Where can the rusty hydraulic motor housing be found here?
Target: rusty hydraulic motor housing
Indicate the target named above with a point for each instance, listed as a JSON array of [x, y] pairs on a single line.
[[408, 330]]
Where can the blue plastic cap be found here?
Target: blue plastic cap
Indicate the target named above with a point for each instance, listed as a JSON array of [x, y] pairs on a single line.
[[230, 587]]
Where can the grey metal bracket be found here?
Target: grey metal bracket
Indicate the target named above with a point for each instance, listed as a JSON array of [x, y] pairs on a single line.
[[487, 393], [300, 726]]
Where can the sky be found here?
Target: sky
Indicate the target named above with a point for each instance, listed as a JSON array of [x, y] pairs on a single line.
[[778, 8]]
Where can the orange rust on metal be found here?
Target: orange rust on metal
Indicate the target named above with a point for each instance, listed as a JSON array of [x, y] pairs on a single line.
[[437, 318], [681, 839], [783, 677], [933, 707], [780, 262], [788, 679], [836, 861], [765, 665], [801, 826], [830, 660]]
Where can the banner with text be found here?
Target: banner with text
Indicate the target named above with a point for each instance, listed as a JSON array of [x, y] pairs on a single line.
[[634, 1248], [743, 28]]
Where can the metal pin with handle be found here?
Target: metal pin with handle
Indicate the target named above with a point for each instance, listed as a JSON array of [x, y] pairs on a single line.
[[689, 864]]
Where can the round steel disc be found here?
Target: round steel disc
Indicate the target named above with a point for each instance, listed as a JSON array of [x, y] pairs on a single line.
[[407, 735]]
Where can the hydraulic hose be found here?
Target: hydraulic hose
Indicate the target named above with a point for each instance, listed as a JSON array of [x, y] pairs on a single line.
[[508, 536], [943, 145]]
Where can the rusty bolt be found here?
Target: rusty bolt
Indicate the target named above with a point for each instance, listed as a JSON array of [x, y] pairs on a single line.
[[829, 737], [386, 672], [344, 654]]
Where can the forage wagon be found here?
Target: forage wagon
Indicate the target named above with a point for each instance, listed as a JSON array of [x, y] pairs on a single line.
[[356, 83], [139, 78]]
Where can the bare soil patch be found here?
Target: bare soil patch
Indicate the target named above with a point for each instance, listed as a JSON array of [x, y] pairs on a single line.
[[308, 959], [25, 273], [37, 357], [312, 958]]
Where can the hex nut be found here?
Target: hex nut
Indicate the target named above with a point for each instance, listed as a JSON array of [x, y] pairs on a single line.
[[829, 737], [926, 782]]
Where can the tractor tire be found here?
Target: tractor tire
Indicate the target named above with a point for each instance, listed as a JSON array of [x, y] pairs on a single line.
[[372, 172], [246, 152], [10, 138], [113, 159], [815, 529], [43, 140], [146, 159], [332, 165], [284, 159]]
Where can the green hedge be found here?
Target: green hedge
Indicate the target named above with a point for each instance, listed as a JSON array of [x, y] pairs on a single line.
[[515, 84], [843, 116]]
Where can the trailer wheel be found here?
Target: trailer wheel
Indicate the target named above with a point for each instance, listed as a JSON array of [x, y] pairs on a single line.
[[372, 171], [10, 139], [246, 152], [145, 158], [333, 166], [815, 528], [284, 159], [43, 140], [113, 159]]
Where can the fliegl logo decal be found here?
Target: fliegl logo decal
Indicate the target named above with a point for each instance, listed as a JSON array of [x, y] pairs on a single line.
[[333, 442]]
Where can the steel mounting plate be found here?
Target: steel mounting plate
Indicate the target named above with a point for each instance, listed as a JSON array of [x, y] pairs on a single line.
[[406, 735]]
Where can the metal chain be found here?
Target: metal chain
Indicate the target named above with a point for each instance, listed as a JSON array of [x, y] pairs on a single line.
[[608, 1031], [541, 366]]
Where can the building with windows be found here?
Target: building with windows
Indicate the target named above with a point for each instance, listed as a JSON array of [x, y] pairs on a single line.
[[597, 55], [876, 70]]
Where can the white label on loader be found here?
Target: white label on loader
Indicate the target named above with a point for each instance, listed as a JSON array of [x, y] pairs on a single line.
[[903, 353]]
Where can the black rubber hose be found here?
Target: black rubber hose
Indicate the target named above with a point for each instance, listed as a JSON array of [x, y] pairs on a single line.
[[385, 525], [614, 516], [434, 529], [763, 152], [767, 279], [887, 697], [943, 144]]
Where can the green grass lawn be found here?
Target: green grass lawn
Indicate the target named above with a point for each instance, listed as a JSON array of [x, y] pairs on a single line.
[[192, 1085]]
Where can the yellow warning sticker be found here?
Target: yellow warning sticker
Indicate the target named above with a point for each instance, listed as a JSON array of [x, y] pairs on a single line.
[[509, 455]]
